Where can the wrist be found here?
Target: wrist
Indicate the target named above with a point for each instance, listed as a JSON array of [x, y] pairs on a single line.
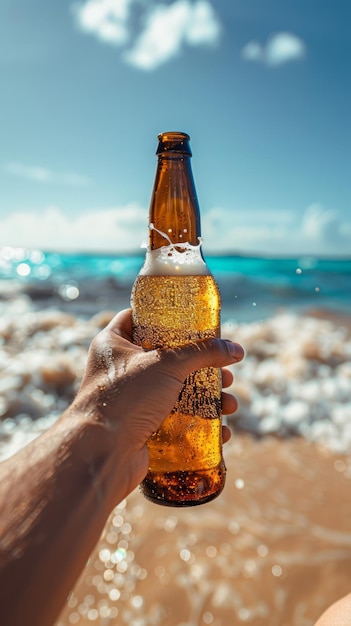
[[103, 451]]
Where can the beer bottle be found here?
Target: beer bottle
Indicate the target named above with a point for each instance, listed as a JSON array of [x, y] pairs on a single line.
[[175, 300]]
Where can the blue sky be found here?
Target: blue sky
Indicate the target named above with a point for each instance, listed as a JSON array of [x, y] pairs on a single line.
[[263, 87]]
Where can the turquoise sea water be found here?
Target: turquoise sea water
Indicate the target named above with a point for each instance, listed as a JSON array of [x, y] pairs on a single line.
[[252, 287]]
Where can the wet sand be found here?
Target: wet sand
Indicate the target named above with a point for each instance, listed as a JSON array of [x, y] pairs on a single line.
[[274, 548]]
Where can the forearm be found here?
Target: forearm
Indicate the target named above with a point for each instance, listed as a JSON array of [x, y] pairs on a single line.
[[56, 495]]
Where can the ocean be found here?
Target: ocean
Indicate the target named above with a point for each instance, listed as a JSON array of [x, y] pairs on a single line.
[[282, 520], [252, 287]]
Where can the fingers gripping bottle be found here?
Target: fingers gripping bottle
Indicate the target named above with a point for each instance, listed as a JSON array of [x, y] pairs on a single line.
[[175, 300]]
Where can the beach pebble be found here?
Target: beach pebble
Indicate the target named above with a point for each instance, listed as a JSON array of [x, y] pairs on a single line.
[[58, 372], [295, 378], [294, 412], [100, 320], [308, 379], [243, 392], [270, 373], [344, 370], [310, 391], [269, 425]]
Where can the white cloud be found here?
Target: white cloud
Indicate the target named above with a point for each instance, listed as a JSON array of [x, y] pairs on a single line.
[[280, 48], [166, 27], [106, 19], [204, 26], [318, 230], [325, 226], [246, 230], [169, 27], [117, 229], [44, 175]]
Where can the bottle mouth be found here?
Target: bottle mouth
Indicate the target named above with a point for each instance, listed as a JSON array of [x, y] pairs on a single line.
[[173, 141]]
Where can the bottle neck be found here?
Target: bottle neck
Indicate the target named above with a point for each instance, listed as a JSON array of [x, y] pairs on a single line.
[[174, 208]]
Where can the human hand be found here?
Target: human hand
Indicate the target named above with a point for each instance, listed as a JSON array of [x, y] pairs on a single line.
[[132, 390]]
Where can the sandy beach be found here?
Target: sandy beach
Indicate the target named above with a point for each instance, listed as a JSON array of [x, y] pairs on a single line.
[[275, 547]]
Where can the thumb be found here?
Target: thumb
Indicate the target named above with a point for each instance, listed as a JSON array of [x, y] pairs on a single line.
[[197, 355]]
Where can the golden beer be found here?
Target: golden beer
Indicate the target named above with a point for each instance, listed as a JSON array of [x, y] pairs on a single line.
[[175, 300]]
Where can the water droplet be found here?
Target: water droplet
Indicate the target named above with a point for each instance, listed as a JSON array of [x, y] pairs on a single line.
[[137, 602], [117, 521], [244, 614], [23, 269], [104, 611], [122, 567], [104, 555], [114, 594], [170, 523], [250, 568], [118, 556], [234, 528], [211, 551], [262, 550], [69, 292], [108, 575], [111, 537], [299, 270], [185, 554], [126, 528], [93, 614], [277, 570], [340, 466]]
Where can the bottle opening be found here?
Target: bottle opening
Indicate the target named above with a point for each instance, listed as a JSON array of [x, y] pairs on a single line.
[[174, 141]]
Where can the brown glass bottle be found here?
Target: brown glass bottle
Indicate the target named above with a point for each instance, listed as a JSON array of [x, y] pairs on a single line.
[[175, 300]]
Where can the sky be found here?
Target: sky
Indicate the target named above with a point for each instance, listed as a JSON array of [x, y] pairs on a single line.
[[263, 88]]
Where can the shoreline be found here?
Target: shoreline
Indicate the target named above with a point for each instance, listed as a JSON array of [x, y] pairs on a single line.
[[88, 297]]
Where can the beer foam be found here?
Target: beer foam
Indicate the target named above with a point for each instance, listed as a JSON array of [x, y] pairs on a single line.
[[181, 258]]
